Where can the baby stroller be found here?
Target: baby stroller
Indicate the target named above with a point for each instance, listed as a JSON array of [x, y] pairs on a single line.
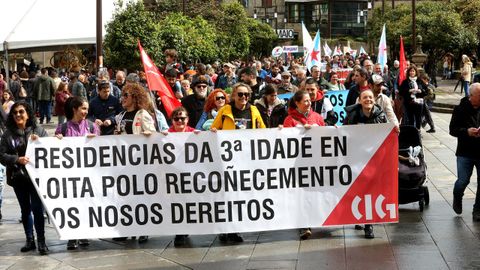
[[412, 169]]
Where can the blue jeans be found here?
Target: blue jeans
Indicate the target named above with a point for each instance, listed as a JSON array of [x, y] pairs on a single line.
[[464, 170], [30, 203], [45, 108], [466, 86]]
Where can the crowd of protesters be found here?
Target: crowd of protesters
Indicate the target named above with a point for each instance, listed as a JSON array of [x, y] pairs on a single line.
[[216, 96]]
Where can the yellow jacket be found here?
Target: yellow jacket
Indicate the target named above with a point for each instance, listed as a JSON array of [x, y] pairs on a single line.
[[225, 120]]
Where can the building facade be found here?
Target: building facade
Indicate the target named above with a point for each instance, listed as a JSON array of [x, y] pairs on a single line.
[[334, 18]]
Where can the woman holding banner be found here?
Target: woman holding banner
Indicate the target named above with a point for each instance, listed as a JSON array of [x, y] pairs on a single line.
[[239, 114], [134, 120], [22, 125], [180, 124], [366, 112], [300, 113], [77, 125]]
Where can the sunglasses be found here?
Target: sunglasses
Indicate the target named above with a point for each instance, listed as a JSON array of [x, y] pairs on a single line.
[[201, 86], [218, 98], [241, 94], [176, 119], [22, 111]]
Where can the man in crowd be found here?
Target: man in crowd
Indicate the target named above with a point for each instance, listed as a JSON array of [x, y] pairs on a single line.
[[286, 85], [248, 75], [171, 77], [317, 75], [44, 92], [320, 103], [261, 72], [274, 77], [227, 79], [301, 76], [103, 109], [119, 79], [361, 83], [195, 102], [465, 126]]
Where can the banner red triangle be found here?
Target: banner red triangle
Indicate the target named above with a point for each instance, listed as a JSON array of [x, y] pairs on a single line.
[[363, 203]]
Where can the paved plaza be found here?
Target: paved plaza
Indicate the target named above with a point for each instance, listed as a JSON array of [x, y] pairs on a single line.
[[433, 239]]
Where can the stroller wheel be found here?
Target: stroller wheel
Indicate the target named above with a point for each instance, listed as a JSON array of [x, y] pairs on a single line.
[[422, 204], [426, 195]]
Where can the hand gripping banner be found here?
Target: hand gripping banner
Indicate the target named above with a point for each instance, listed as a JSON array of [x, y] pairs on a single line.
[[229, 181]]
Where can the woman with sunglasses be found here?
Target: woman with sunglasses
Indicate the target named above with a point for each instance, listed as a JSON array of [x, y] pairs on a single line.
[[77, 125], [215, 101], [22, 125], [134, 120], [180, 124], [239, 114]]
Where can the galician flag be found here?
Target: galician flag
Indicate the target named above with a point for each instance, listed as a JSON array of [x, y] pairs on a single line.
[[314, 56], [156, 82], [307, 40], [382, 49], [362, 50], [327, 50]]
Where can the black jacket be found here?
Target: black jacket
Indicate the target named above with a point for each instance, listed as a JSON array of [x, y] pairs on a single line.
[[194, 107], [404, 90], [278, 115], [464, 117], [355, 115], [14, 145]]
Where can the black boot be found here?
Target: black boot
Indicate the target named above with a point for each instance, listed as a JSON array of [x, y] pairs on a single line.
[[29, 245], [42, 247]]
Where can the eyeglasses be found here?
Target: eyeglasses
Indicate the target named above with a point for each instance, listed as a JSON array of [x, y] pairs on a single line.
[[125, 95], [201, 86], [218, 98], [176, 119], [22, 111], [241, 94]]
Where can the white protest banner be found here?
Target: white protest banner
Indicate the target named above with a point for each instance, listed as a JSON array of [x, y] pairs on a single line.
[[229, 181]]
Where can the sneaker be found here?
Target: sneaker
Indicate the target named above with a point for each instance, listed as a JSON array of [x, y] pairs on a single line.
[[432, 130], [180, 240], [120, 239], [476, 215], [142, 239], [305, 234], [83, 242], [457, 205], [235, 237], [223, 237], [72, 244], [358, 227], [369, 232]]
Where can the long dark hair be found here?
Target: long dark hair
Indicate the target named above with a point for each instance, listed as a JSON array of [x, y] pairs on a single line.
[[296, 98], [31, 122], [71, 104]]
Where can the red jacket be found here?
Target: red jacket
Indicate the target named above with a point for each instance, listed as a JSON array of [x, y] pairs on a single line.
[[295, 118]]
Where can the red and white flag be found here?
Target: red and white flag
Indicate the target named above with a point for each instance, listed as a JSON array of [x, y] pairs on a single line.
[[156, 82], [403, 63]]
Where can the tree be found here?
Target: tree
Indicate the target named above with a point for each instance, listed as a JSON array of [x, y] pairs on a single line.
[[122, 33], [232, 27], [261, 36], [194, 40], [440, 26]]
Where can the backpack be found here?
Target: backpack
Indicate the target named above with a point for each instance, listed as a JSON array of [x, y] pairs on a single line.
[[91, 128]]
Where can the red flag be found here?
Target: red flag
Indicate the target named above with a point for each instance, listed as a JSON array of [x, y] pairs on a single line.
[[156, 82], [403, 63]]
